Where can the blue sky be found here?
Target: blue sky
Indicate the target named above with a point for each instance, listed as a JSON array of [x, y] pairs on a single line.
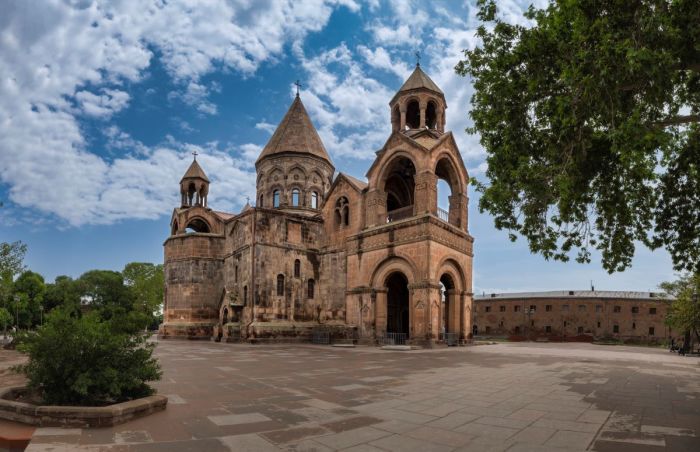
[[104, 102]]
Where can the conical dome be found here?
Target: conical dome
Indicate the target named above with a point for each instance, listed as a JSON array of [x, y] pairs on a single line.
[[295, 134], [418, 80], [195, 172]]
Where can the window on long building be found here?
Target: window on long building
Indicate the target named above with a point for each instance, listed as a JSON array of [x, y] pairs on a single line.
[[297, 268], [280, 285]]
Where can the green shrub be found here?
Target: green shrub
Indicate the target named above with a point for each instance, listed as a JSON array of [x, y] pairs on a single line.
[[87, 361]]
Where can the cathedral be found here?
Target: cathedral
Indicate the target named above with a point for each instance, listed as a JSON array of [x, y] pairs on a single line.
[[322, 250]]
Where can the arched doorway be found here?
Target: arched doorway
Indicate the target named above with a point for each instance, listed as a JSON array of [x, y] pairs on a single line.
[[397, 304]]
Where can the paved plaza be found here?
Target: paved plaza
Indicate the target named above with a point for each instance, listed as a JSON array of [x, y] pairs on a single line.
[[511, 396]]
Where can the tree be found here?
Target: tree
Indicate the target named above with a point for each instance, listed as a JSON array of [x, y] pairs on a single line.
[[5, 320], [64, 292], [147, 283], [684, 314], [30, 287], [82, 361], [591, 124], [11, 258]]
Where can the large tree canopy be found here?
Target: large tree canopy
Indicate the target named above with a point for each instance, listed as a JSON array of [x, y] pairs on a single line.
[[591, 123]]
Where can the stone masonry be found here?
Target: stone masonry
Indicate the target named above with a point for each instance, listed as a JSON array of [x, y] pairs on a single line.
[[323, 250]]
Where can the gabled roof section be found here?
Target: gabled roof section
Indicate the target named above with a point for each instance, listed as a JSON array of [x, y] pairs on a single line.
[[353, 182], [418, 80], [195, 172], [295, 134]]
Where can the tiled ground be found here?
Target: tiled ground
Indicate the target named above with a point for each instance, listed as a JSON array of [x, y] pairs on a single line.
[[515, 397]]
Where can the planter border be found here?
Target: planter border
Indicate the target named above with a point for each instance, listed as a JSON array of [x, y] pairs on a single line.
[[76, 416]]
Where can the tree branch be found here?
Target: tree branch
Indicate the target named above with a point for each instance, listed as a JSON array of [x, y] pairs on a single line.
[[683, 119]]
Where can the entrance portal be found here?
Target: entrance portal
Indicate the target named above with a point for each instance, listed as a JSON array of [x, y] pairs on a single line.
[[397, 304]]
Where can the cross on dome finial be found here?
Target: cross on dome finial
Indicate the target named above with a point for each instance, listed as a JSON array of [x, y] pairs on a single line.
[[298, 84], [195, 153], [417, 58]]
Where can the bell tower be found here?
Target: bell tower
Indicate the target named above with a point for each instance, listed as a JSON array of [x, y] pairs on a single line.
[[194, 186], [418, 105]]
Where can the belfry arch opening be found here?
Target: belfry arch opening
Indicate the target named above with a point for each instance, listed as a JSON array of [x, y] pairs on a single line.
[[413, 115], [397, 301], [431, 115], [399, 185], [197, 225], [447, 186]]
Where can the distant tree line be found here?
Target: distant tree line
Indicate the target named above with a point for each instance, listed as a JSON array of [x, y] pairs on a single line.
[[134, 295]]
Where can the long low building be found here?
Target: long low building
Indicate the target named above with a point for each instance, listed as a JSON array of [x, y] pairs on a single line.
[[562, 315]]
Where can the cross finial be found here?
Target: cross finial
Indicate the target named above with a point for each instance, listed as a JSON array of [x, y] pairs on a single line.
[[298, 84], [195, 153], [247, 199], [417, 58]]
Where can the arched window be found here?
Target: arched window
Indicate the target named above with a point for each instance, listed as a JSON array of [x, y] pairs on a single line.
[[310, 291], [295, 197], [175, 228], [197, 225], [225, 320], [261, 201], [314, 200], [297, 268], [342, 212], [245, 295], [280, 285], [431, 115], [236, 274], [413, 115], [276, 198]]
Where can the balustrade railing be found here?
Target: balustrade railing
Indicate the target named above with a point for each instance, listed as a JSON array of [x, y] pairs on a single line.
[[443, 215]]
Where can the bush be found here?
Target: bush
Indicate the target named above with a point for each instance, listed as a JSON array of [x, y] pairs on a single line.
[[87, 361]]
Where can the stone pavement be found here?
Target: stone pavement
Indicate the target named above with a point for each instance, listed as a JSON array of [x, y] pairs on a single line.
[[515, 397]]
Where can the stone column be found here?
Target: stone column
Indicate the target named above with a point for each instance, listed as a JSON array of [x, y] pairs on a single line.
[[425, 310], [466, 316], [458, 210], [454, 305], [376, 208], [402, 109], [439, 124], [423, 105], [380, 307], [425, 193]]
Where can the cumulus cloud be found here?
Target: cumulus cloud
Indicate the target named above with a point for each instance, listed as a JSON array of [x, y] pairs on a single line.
[[67, 60]]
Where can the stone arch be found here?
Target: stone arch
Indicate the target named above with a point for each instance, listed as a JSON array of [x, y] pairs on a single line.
[[453, 283], [448, 265], [295, 170], [395, 118], [319, 197], [198, 224], [297, 189], [446, 167], [412, 113], [276, 171], [398, 181], [175, 228], [393, 264], [431, 114]]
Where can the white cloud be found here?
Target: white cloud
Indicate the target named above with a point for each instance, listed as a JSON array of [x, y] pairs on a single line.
[[266, 126], [380, 58], [103, 105], [65, 54]]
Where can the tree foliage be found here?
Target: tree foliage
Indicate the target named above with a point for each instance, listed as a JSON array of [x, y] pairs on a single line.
[[684, 315], [11, 258], [590, 120], [147, 283], [83, 361]]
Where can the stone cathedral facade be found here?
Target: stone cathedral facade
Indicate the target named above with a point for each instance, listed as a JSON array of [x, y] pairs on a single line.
[[321, 249]]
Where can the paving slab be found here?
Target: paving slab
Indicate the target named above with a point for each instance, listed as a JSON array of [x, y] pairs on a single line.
[[513, 396]]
